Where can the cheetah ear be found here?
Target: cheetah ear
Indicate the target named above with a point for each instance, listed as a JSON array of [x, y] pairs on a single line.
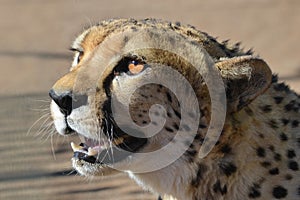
[[245, 77]]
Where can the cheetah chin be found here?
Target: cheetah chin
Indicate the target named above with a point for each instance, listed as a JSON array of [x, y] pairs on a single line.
[[110, 99]]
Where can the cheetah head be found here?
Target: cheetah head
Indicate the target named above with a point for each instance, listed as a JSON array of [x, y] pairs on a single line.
[[136, 87]]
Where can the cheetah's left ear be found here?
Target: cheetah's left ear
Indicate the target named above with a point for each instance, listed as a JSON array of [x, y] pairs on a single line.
[[245, 77]]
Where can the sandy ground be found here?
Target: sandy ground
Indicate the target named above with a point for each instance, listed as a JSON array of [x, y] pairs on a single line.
[[35, 37]]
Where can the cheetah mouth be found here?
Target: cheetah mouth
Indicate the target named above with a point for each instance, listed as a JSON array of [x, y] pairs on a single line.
[[117, 146]]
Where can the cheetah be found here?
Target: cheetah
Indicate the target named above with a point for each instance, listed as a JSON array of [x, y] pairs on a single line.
[[138, 95]]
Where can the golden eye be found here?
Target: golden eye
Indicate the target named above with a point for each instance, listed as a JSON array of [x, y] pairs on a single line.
[[134, 67]]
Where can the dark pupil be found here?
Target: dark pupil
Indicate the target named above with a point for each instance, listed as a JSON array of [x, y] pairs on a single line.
[[135, 62], [79, 57], [123, 65]]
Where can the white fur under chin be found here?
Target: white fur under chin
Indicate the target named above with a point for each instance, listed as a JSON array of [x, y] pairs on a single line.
[[172, 179]]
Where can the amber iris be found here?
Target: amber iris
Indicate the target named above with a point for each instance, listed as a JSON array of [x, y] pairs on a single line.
[[135, 67]]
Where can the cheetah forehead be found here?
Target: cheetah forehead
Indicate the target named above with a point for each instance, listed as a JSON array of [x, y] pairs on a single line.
[[93, 36]]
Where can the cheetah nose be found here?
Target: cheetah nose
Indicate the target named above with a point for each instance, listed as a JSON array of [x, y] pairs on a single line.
[[64, 101], [67, 101]]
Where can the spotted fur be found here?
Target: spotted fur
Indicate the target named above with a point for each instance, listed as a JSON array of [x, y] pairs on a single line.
[[257, 155]]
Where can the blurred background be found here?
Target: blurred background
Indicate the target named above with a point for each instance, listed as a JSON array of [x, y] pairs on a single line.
[[35, 37]]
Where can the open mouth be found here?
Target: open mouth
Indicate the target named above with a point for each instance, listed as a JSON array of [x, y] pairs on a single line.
[[117, 146]]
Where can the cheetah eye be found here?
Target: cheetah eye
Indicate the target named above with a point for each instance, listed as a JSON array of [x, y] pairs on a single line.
[[78, 56], [135, 67], [130, 66]]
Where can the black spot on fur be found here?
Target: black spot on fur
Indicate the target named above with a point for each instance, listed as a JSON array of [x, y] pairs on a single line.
[[134, 29], [177, 114], [201, 170], [277, 157], [295, 123], [189, 33], [199, 138], [191, 154], [288, 177], [254, 192], [291, 153], [169, 97], [169, 114], [266, 108], [125, 39], [260, 152], [191, 146], [227, 168], [265, 164], [225, 148], [146, 97], [293, 165], [274, 171], [279, 192], [278, 99], [285, 121], [290, 106], [274, 78], [175, 126], [202, 126], [283, 137], [218, 188], [271, 147], [169, 129], [273, 124], [281, 87]]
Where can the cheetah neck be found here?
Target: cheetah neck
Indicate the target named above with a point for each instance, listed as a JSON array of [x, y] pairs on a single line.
[[169, 180], [236, 167]]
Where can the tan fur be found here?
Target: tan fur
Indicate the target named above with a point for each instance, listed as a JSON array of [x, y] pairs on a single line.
[[254, 157]]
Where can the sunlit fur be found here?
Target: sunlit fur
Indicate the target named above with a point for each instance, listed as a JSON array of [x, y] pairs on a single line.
[[252, 143]]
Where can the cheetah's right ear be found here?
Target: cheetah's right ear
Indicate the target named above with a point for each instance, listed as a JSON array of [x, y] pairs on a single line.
[[245, 77]]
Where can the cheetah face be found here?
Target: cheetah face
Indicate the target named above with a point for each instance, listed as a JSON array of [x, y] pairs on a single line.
[[114, 99], [133, 100]]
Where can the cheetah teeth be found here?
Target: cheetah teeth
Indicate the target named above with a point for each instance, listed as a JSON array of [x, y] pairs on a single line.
[[90, 152], [76, 147], [94, 151]]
